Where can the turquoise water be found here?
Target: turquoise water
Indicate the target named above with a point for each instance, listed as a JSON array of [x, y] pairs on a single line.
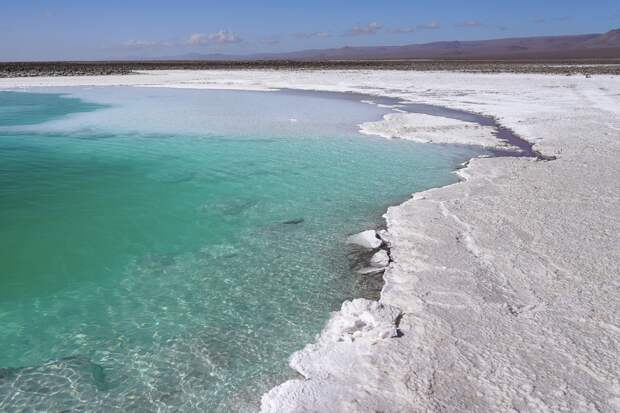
[[148, 257]]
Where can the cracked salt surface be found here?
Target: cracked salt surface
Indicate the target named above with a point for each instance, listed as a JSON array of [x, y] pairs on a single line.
[[507, 282]]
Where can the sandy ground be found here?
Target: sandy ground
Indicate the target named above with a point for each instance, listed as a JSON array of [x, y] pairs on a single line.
[[504, 290]]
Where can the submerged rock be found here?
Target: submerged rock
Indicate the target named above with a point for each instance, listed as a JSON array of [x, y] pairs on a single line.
[[58, 385], [294, 221], [366, 239]]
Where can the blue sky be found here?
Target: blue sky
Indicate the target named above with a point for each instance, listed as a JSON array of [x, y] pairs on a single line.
[[83, 29]]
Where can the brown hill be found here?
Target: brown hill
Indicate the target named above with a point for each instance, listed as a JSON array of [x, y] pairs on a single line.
[[606, 45]]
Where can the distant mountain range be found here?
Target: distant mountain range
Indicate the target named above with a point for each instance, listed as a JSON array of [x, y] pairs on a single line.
[[602, 45]]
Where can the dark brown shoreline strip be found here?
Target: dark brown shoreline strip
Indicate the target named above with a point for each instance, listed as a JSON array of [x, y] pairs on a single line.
[[585, 66]]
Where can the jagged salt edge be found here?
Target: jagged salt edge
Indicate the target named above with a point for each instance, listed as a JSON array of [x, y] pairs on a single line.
[[335, 331]]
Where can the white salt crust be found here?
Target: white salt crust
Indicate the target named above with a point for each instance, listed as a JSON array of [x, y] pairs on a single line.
[[432, 129]]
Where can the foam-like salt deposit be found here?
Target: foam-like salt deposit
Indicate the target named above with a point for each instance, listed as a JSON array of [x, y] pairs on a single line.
[[432, 129], [507, 283]]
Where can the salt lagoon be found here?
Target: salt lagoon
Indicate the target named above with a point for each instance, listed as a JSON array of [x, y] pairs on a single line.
[[168, 249]]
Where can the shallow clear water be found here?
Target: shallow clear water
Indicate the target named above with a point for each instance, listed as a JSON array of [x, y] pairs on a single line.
[[146, 259]]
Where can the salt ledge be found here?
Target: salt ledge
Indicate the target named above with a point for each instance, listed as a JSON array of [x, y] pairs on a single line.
[[366, 239], [424, 128]]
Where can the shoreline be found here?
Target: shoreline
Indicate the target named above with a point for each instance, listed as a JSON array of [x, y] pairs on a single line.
[[364, 309], [519, 249]]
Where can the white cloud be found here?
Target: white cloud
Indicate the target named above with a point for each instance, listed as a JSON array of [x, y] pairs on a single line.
[[218, 38], [403, 30], [412, 29], [311, 35], [269, 40], [430, 25], [147, 44], [370, 28], [469, 24]]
